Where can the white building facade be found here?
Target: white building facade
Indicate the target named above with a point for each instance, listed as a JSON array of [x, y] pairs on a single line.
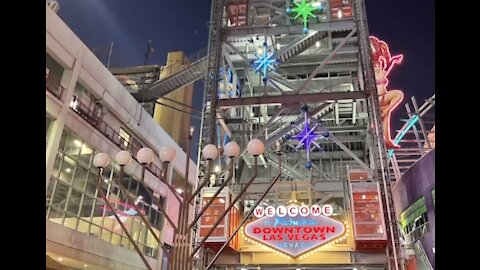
[[88, 111]]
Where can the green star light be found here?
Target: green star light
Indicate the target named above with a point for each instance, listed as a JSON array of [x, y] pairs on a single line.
[[305, 10]]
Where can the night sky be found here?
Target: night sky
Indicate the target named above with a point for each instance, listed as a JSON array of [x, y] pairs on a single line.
[[408, 26]]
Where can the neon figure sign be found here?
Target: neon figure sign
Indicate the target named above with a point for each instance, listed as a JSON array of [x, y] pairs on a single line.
[[294, 230], [383, 62]]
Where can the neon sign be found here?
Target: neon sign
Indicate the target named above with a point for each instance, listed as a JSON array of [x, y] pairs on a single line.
[[383, 62], [305, 10], [265, 62], [294, 230], [307, 137]]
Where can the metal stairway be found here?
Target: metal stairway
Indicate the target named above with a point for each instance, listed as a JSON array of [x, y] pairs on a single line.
[[300, 45], [413, 137], [289, 167], [198, 69], [175, 80]]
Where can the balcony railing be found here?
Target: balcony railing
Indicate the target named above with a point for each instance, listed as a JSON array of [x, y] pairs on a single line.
[[416, 233], [132, 146]]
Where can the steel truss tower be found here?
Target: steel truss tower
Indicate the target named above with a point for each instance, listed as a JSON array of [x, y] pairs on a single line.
[[328, 68], [323, 66]]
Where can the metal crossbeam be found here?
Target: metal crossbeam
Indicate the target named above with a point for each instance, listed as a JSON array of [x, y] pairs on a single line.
[[290, 99], [286, 29]]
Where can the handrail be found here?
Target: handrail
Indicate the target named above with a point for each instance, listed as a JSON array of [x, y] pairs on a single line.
[[132, 146], [180, 66], [420, 251]]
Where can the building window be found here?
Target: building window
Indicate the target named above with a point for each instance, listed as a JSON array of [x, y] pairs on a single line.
[[54, 73], [124, 136], [73, 200], [414, 220], [340, 9], [82, 94]]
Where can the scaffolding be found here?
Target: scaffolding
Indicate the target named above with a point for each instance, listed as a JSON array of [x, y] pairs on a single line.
[[322, 72]]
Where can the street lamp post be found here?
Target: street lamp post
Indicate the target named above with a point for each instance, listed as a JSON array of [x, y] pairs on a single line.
[[182, 258], [182, 236], [255, 148], [101, 161], [247, 216], [144, 156]]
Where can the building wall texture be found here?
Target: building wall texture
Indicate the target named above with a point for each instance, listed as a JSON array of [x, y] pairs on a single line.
[[122, 110], [419, 181]]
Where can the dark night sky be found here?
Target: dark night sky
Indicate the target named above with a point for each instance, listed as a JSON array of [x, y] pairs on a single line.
[[408, 26]]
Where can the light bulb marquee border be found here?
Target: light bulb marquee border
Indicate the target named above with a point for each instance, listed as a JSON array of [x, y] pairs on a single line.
[[307, 252], [303, 254]]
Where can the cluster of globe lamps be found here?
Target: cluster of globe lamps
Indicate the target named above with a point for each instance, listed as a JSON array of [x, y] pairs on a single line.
[[167, 153]]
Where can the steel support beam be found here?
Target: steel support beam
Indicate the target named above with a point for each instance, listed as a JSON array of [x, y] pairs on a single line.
[[271, 7], [324, 63], [289, 127], [286, 29], [349, 152], [229, 45], [290, 99]]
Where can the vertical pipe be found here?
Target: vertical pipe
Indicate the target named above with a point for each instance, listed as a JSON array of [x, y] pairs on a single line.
[[415, 130], [186, 208], [420, 121]]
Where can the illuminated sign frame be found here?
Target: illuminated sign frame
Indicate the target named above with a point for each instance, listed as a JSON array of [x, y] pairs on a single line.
[[383, 62], [295, 231]]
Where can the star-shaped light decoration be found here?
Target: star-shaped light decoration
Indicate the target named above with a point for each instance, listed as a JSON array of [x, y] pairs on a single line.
[[265, 62], [306, 9], [307, 137]]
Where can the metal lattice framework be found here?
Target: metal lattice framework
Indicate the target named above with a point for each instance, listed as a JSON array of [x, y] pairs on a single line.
[[327, 68]]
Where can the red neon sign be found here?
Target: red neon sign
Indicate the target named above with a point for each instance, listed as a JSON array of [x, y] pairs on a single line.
[[294, 233], [383, 62]]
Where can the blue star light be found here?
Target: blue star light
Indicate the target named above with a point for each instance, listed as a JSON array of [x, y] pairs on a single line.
[[307, 137], [265, 62]]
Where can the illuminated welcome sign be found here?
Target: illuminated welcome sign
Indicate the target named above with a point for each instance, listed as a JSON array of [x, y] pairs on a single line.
[[294, 230]]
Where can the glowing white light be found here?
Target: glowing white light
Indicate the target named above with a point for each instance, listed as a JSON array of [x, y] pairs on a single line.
[[339, 14], [317, 44]]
